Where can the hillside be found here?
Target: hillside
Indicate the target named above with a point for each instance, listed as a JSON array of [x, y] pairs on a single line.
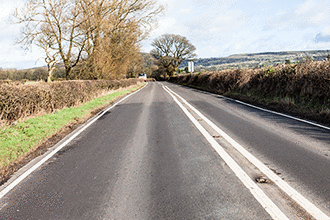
[[252, 60]]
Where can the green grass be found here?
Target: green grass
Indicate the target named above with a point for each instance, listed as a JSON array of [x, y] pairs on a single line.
[[25, 135]]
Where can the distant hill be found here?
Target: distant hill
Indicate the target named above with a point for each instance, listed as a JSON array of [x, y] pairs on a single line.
[[252, 60]]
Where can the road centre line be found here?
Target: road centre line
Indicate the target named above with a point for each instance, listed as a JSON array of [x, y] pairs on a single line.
[[76, 133], [302, 201], [260, 196]]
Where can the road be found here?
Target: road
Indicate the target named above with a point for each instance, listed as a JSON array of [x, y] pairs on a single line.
[[145, 159]]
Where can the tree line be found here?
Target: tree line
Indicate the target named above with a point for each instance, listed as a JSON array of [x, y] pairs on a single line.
[[35, 74], [89, 39], [96, 39], [144, 64]]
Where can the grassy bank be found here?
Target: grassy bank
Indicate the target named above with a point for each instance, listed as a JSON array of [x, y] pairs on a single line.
[[301, 89], [20, 100], [19, 142]]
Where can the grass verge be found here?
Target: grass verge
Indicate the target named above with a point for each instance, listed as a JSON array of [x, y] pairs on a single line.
[[288, 105], [27, 139], [320, 114]]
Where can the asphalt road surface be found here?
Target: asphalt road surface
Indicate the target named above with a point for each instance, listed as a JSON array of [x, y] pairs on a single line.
[[145, 159]]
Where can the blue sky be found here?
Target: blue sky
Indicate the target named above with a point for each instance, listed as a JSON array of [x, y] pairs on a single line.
[[216, 28]]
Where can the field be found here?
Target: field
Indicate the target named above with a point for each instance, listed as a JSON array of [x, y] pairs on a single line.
[[256, 60]]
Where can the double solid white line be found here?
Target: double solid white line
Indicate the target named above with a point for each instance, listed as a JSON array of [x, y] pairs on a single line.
[[261, 197]]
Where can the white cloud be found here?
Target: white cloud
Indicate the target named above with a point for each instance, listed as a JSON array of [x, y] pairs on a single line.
[[7, 8], [185, 11], [169, 25], [209, 24], [5, 12], [326, 30], [219, 27], [11, 54], [308, 14]]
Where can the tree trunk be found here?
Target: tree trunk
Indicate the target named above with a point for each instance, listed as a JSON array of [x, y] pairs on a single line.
[[50, 73], [67, 72]]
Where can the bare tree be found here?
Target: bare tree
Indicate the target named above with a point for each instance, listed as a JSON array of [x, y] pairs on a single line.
[[115, 30], [51, 56], [76, 32], [170, 50], [56, 27]]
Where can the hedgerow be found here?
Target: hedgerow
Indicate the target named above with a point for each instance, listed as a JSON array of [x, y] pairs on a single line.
[[19, 100], [303, 88]]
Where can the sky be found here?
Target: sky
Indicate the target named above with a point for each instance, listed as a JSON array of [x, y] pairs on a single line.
[[217, 28]]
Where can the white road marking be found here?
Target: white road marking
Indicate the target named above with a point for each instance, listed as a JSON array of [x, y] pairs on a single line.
[[37, 165], [261, 197], [273, 112], [281, 114], [302, 201]]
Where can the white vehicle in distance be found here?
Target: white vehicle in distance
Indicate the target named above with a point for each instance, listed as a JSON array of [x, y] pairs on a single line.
[[143, 76]]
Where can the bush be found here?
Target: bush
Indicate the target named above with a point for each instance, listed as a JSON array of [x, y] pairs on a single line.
[[22, 100], [306, 84]]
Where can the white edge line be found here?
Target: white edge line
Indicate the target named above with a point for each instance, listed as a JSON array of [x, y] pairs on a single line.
[[37, 165], [302, 201], [277, 113], [261, 197], [270, 111]]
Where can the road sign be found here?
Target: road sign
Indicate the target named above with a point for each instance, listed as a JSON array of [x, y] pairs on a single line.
[[191, 66]]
